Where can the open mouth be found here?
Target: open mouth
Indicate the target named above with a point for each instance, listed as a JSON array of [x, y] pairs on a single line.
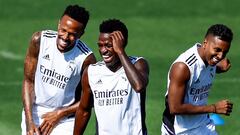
[[106, 58], [62, 43], [215, 60]]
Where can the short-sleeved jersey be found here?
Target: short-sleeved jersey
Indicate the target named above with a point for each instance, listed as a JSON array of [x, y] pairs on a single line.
[[58, 74], [119, 109], [196, 92]]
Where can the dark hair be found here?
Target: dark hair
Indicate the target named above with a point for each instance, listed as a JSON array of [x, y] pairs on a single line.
[[110, 25], [223, 32], [77, 13]]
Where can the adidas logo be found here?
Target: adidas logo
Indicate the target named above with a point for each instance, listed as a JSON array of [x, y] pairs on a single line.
[[124, 78], [99, 81], [46, 57]]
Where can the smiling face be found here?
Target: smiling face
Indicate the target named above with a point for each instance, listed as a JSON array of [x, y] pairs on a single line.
[[69, 30], [214, 50], [107, 52]]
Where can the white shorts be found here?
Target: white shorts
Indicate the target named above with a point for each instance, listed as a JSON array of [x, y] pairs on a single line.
[[206, 129], [64, 127]]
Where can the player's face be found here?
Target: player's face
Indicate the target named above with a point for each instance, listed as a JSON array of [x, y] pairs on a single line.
[[69, 30], [215, 50], [107, 52]]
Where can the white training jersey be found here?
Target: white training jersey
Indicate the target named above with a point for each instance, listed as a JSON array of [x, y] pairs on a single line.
[[197, 91], [119, 109], [58, 74]]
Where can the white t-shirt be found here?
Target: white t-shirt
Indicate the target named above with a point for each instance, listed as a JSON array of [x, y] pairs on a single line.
[[58, 74], [116, 104], [56, 78], [197, 91]]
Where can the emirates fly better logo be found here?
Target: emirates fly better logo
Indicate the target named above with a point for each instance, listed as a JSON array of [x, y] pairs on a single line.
[[108, 98]]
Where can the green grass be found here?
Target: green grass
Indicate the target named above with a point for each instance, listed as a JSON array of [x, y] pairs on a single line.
[[159, 30]]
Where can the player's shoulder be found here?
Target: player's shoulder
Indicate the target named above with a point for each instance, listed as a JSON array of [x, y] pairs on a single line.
[[83, 47], [138, 60], [96, 68], [35, 40], [135, 59], [34, 45], [180, 70], [99, 63], [38, 35], [190, 56], [49, 33]]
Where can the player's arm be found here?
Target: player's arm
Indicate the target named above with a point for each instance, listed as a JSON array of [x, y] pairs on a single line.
[[179, 76], [52, 118], [137, 73], [223, 66], [83, 112], [28, 94]]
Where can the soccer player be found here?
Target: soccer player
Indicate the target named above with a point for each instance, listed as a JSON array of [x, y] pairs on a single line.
[[52, 71], [116, 86], [189, 80]]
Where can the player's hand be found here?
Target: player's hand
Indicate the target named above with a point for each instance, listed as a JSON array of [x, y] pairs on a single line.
[[32, 129], [118, 41], [50, 120], [224, 65], [224, 107]]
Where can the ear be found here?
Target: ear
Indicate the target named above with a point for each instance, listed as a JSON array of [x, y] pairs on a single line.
[[58, 24], [81, 33], [205, 42]]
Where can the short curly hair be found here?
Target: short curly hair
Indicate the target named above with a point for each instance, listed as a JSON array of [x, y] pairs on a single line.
[[222, 31], [77, 13], [110, 25]]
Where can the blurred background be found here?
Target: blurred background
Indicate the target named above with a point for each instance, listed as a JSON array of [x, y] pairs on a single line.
[[159, 30]]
